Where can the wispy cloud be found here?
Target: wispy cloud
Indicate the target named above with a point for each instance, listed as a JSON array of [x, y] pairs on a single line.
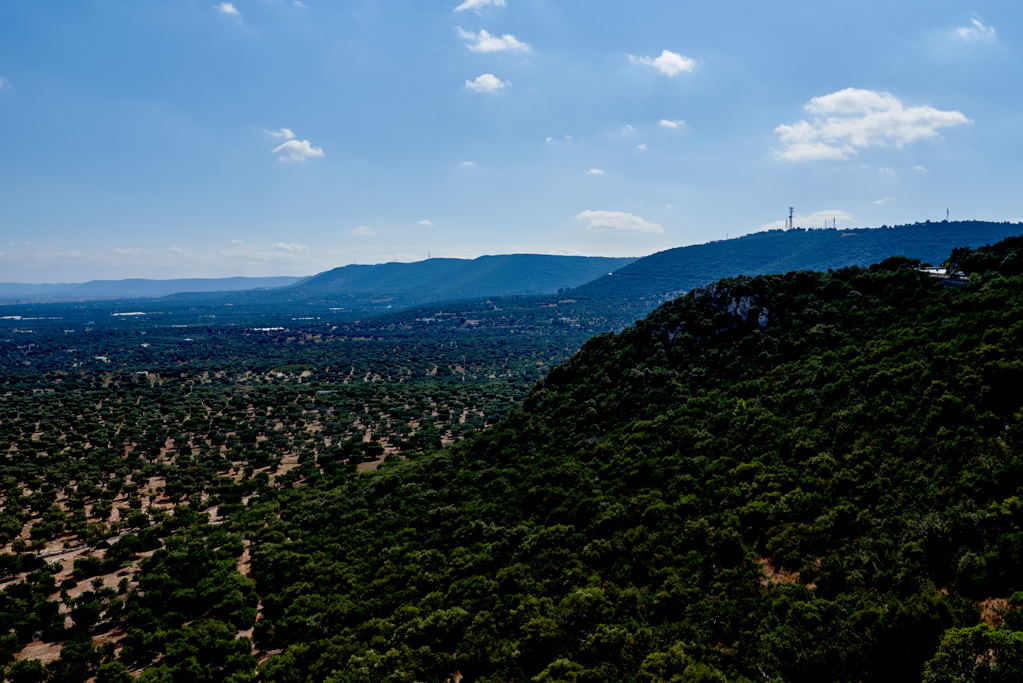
[[362, 231], [882, 200], [237, 241], [488, 43], [291, 246], [177, 250], [251, 253], [919, 168], [976, 31], [618, 222], [886, 171], [425, 222], [628, 129], [855, 118], [299, 3], [667, 123], [669, 63], [641, 146], [4, 83], [227, 8], [477, 5], [294, 150], [486, 83], [467, 164], [594, 171], [813, 220]]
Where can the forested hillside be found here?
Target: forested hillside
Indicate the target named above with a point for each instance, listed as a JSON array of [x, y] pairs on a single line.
[[673, 271], [464, 278], [402, 285], [801, 477], [814, 476]]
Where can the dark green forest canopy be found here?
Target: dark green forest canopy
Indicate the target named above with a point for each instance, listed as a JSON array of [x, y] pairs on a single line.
[[799, 477], [1004, 257], [854, 434]]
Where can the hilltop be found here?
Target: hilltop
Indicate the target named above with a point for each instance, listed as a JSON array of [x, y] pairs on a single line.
[[447, 278], [362, 289], [667, 273]]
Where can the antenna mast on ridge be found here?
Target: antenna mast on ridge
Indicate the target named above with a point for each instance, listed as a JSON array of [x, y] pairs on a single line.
[[790, 217]]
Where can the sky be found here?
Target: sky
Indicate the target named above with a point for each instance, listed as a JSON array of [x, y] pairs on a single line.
[[164, 139]]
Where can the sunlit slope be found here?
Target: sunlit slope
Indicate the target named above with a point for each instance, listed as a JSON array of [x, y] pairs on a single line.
[[779, 251]]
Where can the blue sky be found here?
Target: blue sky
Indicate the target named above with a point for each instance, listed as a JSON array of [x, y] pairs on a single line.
[[269, 137]]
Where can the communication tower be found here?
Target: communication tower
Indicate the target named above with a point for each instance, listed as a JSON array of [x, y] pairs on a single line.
[[790, 217]]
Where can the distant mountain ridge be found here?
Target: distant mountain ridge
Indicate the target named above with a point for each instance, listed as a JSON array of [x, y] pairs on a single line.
[[484, 276], [668, 273], [367, 289], [402, 285], [138, 287]]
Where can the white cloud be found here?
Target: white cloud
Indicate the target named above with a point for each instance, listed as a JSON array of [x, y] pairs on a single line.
[[177, 250], [887, 171], [425, 222], [618, 222], [227, 8], [856, 119], [4, 83], [237, 241], [814, 220], [642, 146], [976, 31], [549, 140], [882, 200], [362, 231], [628, 129], [919, 168], [488, 43], [671, 124], [282, 133], [477, 5], [281, 246], [467, 164], [297, 150], [668, 206], [669, 63], [299, 3], [486, 83], [594, 171]]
